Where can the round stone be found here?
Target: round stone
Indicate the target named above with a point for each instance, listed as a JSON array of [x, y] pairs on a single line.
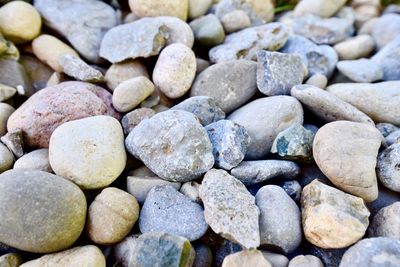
[[235, 20], [305, 261], [6, 158], [388, 167], [5, 112], [318, 80], [208, 30], [155, 8], [360, 70], [120, 72], [252, 258], [198, 8], [35, 160], [323, 8], [386, 222], [89, 151]]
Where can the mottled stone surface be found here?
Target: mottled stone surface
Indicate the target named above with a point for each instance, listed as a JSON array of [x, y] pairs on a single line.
[[252, 258], [79, 69], [35, 160], [388, 167], [388, 58], [386, 222], [361, 70], [133, 118], [198, 8]]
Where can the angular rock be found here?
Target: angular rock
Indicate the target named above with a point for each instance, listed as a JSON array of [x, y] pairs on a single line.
[[305, 261], [386, 28], [78, 69], [133, 118], [13, 141], [386, 222], [388, 167], [5, 111], [252, 258], [388, 58], [35, 160], [356, 47], [323, 8], [155, 8], [361, 70], [208, 30]]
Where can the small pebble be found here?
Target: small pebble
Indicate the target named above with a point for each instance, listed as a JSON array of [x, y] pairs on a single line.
[[354, 48], [388, 167], [155, 8], [6, 92], [191, 190], [323, 8], [305, 261], [386, 128], [5, 111], [133, 118], [235, 21], [318, 80], [198, 8], [204, 256], [292, 188], [6, 158], [10, 260], [120, 72], [276, 260], [14, 142], [252, 258], [386, 223], [35, 160], [393, 138], [208, 30]]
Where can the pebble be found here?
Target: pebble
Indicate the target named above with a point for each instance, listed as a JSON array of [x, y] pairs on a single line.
[[388, 58], [191, 190], [88, 255], [14, 141], [360, 70], [42, 113], [49, 50], [356, 47], [6, 92], [111, 216], [121, 42], [327, 106], [280, 222], [246, 43], [386, 222], [380, 101], [368, 26], [329, 257], [235, 80], [13, 74], [130, 93], [10, 260], [373, 252], [305, 261], [124, 249], [29, 196], [393, 138], [388, 167], [252, 258], [277, 72], [323, 8], [6, 158], [204, 256], [37, 71], [201, 64], [175, 70], [332, 218], [207, 30], [233, 214], [77, 68], [198, 8], [133, 118], [89, 159], [203, 107], [385, 29], [264, 119], [230, 141], [292, 188], [120, 72], [386, 128], [169, 211], [276, 260], [318, 80], [173, 144], [155, 8], [294, 143], [5, 111], [20, 22], [92, 19], [35, 160], [235, 21]]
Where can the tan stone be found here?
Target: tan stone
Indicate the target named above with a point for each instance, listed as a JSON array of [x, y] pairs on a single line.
[[155, 8], [10, 260], [5, 112], [354, 48], [322, 8], [120, 72], [253, 258]]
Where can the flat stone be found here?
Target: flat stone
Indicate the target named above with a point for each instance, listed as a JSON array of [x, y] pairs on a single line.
[[133, 118], [388, 167], [305, 261], [234, 214], [252, 258], [155, 8], [323, 8], [386, 222], [388, 58], [361, 70], [386, 28], [360, 46], [77, 68], [6, 158], [35, 160], [120, 72]]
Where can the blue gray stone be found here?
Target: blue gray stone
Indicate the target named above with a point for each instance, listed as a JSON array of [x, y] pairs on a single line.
[[360, 70], [388, 167], [388, 58], [386, 29], [386, 128], [292, 188], [208, 30]]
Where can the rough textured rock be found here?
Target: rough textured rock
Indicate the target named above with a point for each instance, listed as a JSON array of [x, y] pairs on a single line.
[[169, 211], [385, 29], [78, 69], [78, 152], [277, 73], [373, 252], [280, 219], [386, 222], [245, 44], [323, 8], [6, 158], [13, 141], [388, 59], [252, 258], [230, 141], [173, 144], [305, 261], [35, 160], [235, 80], [356, 47], [155, 8], [235, 20], [208, 30], [388, 167], [346, 153], [133, 118], [331, 218], [82, 22], [361, 70], [264, 118], [120, 72], [29, 196]]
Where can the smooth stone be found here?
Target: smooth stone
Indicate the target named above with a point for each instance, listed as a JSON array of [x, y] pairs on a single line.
[[77, 68], [144, 38], [201, 64], [388, 58], [198, 8], [292, 188], [373, 252], [88, 255], [38, 72], [276, 260], [235, 80], [252, 258], [388, 167], [360, 46], [327, 106], [318, 58], [230, 141], [169, 211], [133, 118], [13, 74], [207, 30], [130, 93], [380, 101], [367, 26], [393, 138], [5, 112], [280, 219], [323, 8], [89, 159], [8, 50], [173, 144], [10, 260], [111, 216], [386, 28], [175, 70], [234, 214], [386, 128], [155, 8], [264, 119], [235, 21], [305, 261], [35, 160], [6, 158], [246, 43], [29, 196], [13, 140], [203, 107], [42, 113], [120, 72], [191, 190], [346, 152], [82, 22], [386, 222], [332, 218], [6, 92], [360, 70], [204, 256], [277, 73]]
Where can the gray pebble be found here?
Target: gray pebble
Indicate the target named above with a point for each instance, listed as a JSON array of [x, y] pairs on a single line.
[[388, 58], [133, 118], [388, 167], [360, 70], [318, 80], [208, 30], [386, 128], [305, 261], [292, 188], [77, 68], [393, 137], [14, 141], [6, 158], [386, 28], [35, 160], [276, 260], [386, 222]]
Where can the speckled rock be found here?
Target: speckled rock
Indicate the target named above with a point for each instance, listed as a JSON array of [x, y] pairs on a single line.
[[35, 160], [13, 140], [6, 158], [29, 196], [169, 211], [198, 8], [235, 20], [346, 153], [155, 8], [386, 222], [79, 69], [191, 190], [332, 218], [42, 113], [323, 8], [264, 118], [252, 258], [356, 47], [208, 30], [360, 70], [373, 252], [277, 73], [234, 214], [280, 222], [230, 141], [388, 167], [386, 28], [386, 128], [235, 80], [388, 58], [245, 44], [305, 261], [89, 159], [10, 260], [133, 118], [173, 144], [5, 111], [120, 72]]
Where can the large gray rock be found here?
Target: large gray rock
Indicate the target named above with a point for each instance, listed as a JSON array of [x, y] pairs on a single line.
[[82, 22], [26, 198], [173, 144], [264, 118], [388, 167], [388, 58], [386, 222]]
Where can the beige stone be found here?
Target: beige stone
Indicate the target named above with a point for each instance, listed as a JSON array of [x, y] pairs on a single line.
[[155, 8], [332, 218], [5, 111], [120, 72], [322, 8], [386, 222], [6, 92], [198, 8], [357, 47], [253, 258], [235, 20], [318, 80], [35, 160], [10, 260], [305, 261], [6, 158]]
